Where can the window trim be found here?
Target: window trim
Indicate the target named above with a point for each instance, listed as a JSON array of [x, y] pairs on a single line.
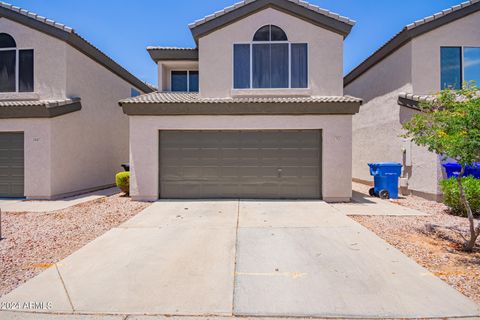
[[188, 78], [17, 69], [251, 43], [462, 62]]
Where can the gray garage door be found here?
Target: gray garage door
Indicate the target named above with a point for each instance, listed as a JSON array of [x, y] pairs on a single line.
[[11, 165], [240, 164]]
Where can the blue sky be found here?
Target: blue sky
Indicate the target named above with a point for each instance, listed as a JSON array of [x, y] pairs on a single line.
[[122, 29]]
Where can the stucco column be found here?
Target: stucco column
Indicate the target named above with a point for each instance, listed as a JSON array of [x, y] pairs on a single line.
[[144, 146], [337, 161]]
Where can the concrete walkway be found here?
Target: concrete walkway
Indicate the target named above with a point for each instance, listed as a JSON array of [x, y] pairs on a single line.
[[365, 205], [20, 205], [241, 258]]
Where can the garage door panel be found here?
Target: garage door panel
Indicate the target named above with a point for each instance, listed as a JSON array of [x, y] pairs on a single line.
[[11, 164], [240, 164]]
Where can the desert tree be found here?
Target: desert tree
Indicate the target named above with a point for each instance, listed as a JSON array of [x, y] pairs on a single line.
[[449, 125]]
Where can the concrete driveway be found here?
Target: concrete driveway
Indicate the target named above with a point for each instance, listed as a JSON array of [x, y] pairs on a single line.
[[245, 258]]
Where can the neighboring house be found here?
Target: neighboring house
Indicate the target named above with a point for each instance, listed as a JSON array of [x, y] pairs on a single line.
[[441, 51], [61, 132], [269, 119]]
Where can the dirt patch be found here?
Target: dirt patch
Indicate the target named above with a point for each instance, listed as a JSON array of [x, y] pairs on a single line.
[[433, 241], [35, 241]]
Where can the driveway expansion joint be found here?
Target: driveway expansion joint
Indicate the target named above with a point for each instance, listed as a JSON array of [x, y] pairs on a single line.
[[64, 288], [235, 257]]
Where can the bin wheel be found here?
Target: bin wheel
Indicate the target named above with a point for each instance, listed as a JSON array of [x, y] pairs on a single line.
[[384, 194], [371, 192]]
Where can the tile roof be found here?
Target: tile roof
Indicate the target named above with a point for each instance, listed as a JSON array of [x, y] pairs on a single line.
[[440, 14], [411, 31], [69, 35], [416, 97], [194, 98], [170, 48], [38, 103], [413, 101], [302, 3], [36, 16]]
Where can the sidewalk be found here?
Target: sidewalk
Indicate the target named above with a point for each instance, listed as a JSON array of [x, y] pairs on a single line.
[[19, 205]]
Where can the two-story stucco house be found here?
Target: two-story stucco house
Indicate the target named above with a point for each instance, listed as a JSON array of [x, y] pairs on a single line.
[[255, 111], [440, 51], [61, 132]]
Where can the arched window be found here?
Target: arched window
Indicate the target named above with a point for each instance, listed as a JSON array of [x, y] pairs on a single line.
[[7, 41], [270, 33], [270, 61], [16, 66]]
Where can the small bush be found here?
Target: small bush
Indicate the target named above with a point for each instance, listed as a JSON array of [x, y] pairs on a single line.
[[123, 181], [451, 194]]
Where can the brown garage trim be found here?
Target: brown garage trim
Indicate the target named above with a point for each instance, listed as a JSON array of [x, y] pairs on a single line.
[[38, 111], [405, 36], [285, 6], [163, 109], [320, 173]]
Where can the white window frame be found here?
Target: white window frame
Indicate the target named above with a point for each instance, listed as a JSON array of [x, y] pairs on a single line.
[[289, 64], [188, 78], [462, 61], [17, 68]]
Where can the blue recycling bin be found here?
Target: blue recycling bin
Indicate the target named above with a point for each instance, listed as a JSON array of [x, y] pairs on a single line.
[[474, 170], [386, 175], [453, 170]]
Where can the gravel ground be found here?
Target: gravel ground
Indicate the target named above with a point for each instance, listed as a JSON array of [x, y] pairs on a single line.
[[34, 241], [432, 241]]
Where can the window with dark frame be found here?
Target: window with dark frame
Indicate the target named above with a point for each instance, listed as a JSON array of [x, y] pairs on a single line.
[[270, 61], [16, 66], [185, 81], [459, 65]]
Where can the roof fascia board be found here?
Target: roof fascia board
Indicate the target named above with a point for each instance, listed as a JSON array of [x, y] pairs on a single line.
[[20, 112], [407, 35], [78, 43], [34, 24], [282, 5], [172, 109], [409, 103], [173, 55]]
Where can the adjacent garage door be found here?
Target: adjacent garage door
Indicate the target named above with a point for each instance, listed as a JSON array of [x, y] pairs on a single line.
[[11, 165], [240, 164]]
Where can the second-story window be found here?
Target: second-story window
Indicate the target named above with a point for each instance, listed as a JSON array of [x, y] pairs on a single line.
[[458, 65], [16, 66], [184, 81], [270, 61]]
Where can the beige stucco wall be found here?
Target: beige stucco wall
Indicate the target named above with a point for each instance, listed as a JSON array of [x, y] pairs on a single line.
[[325, 49], [89, 146], [49, 60], [414, 68], [378, 126], [426, 51], [144, 146], [81, 150]]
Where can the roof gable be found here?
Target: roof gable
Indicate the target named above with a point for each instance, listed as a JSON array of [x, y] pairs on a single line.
[[67, 34], [297, 8], [411, 31]]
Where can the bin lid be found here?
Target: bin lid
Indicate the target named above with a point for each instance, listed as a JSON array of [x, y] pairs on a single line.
[[386, 164]]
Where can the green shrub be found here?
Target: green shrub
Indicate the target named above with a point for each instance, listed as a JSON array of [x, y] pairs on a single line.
[[123, 181], [451, 195]]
